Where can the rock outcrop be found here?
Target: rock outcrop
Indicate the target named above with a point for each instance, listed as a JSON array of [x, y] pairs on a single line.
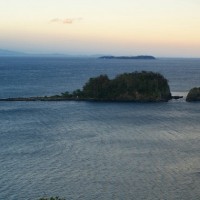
[[193, 95]]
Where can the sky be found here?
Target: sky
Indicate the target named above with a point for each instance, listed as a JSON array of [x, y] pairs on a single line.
[[165, 28]]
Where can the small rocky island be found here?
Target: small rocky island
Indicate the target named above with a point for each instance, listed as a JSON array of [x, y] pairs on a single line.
[[128, 87], [142, 57], [137, 86], [193, 95]]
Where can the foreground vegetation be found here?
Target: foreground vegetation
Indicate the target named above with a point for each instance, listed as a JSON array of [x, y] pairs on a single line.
[[193, 95]]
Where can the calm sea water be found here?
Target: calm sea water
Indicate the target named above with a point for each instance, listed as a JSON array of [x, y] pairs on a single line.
[[97, 151]]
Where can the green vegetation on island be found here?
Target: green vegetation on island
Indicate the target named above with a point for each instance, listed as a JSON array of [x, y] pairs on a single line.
[[193, 95], [143, 86], [137, 86]]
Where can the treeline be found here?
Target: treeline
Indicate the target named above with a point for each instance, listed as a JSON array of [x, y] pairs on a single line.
[[136, 86]]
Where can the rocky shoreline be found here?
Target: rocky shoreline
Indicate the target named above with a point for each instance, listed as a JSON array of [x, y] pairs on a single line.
[[78, 99]]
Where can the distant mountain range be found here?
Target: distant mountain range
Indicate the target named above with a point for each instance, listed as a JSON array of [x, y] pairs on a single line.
[[4, 52], [8, 53]]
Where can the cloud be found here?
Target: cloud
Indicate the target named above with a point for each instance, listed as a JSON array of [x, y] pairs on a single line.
[[65, 21], [55, 20]]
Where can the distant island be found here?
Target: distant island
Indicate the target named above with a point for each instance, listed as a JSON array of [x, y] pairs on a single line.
[[142, 57], [128, 87]]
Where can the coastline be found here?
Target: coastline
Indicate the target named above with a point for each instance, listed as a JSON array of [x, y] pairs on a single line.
[[81, 99]]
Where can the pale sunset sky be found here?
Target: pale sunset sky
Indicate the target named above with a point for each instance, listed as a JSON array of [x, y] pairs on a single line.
[[167, 28]]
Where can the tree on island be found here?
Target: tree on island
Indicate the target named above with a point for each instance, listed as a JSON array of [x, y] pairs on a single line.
[[136, 86]]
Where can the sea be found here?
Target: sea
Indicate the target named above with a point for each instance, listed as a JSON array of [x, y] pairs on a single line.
[[93, 150]]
